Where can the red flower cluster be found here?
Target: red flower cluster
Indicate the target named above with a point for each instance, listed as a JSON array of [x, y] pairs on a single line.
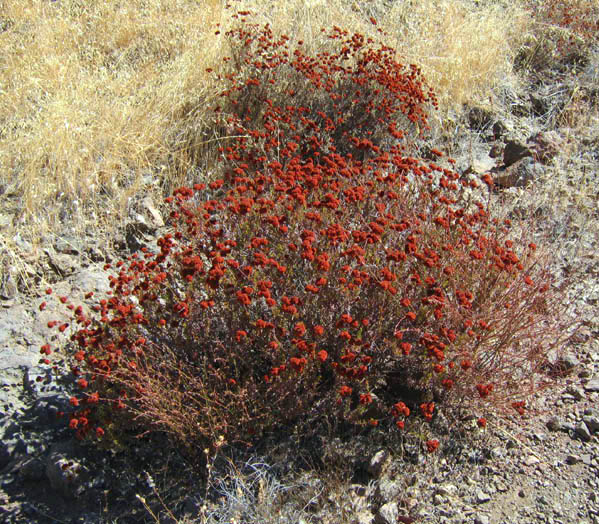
[[323, 258]]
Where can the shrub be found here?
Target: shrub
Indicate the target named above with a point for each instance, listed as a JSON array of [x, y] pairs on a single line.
[[567, 30], [327, 273]]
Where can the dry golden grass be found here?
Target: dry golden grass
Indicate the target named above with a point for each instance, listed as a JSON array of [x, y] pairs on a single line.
[[100, 101]]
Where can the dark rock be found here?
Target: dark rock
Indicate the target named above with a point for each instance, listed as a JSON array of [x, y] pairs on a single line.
[[545, 145], [4, 454], [65, 473], [554, 424], [32, 469], [499, 129], [514, 151], [519, 174], [479, 118], [591, 422], [582, 431]]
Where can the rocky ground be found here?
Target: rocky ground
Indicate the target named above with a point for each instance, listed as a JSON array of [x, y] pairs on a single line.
[[540, 468]]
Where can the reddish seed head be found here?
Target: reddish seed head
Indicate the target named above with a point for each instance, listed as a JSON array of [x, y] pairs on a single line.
[[49, 291], [432, 445]]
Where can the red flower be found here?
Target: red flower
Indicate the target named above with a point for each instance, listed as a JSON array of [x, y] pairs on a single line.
[[42, 306], [482, 422], [400, 424], [432, 445], [74, 401], [322, 355], [411, 315], [240, 334], [73, 423], [484, 390], [365, 398], [49, 291], [345, 391], [82, 383], [99, 432], [400, 408], [299, 329]]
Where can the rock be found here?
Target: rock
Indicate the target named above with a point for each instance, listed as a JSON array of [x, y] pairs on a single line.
[[514, 151], [32, 469], [68, 245], [153, 216], [482, 496], [379, 463], [91, 280], [592, 385], [591, 422], [496, 151], [572, 459], [363, 517], [24, 245], [4, 454], [519, 174], [479, 118], [387, 514], [387, 489], [546, 145], [63, 265], [582, 431], [531, 460], [499, 129], [575, 391], [65, 475], [447, 490], [554, 424], [482, 519], [569, 361]]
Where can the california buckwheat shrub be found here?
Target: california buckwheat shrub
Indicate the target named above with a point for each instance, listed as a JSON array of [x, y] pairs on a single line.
[[325, 273]]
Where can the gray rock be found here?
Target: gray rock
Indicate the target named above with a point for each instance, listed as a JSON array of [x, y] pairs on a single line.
[[575, 391], [554, 424], [379, 463], [572, 459], [63, 265], [363, 517], [447, 490], [68, 245], [519, 174], [482, 496], [531, 460], [591, 422], [582, 431], [153, 216], [32, 469], [388, 489], [592, 385], [482, 519], [569, 361], [387, 514]]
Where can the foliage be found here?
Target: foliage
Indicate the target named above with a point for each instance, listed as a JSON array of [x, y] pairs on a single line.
[[328, 273]]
